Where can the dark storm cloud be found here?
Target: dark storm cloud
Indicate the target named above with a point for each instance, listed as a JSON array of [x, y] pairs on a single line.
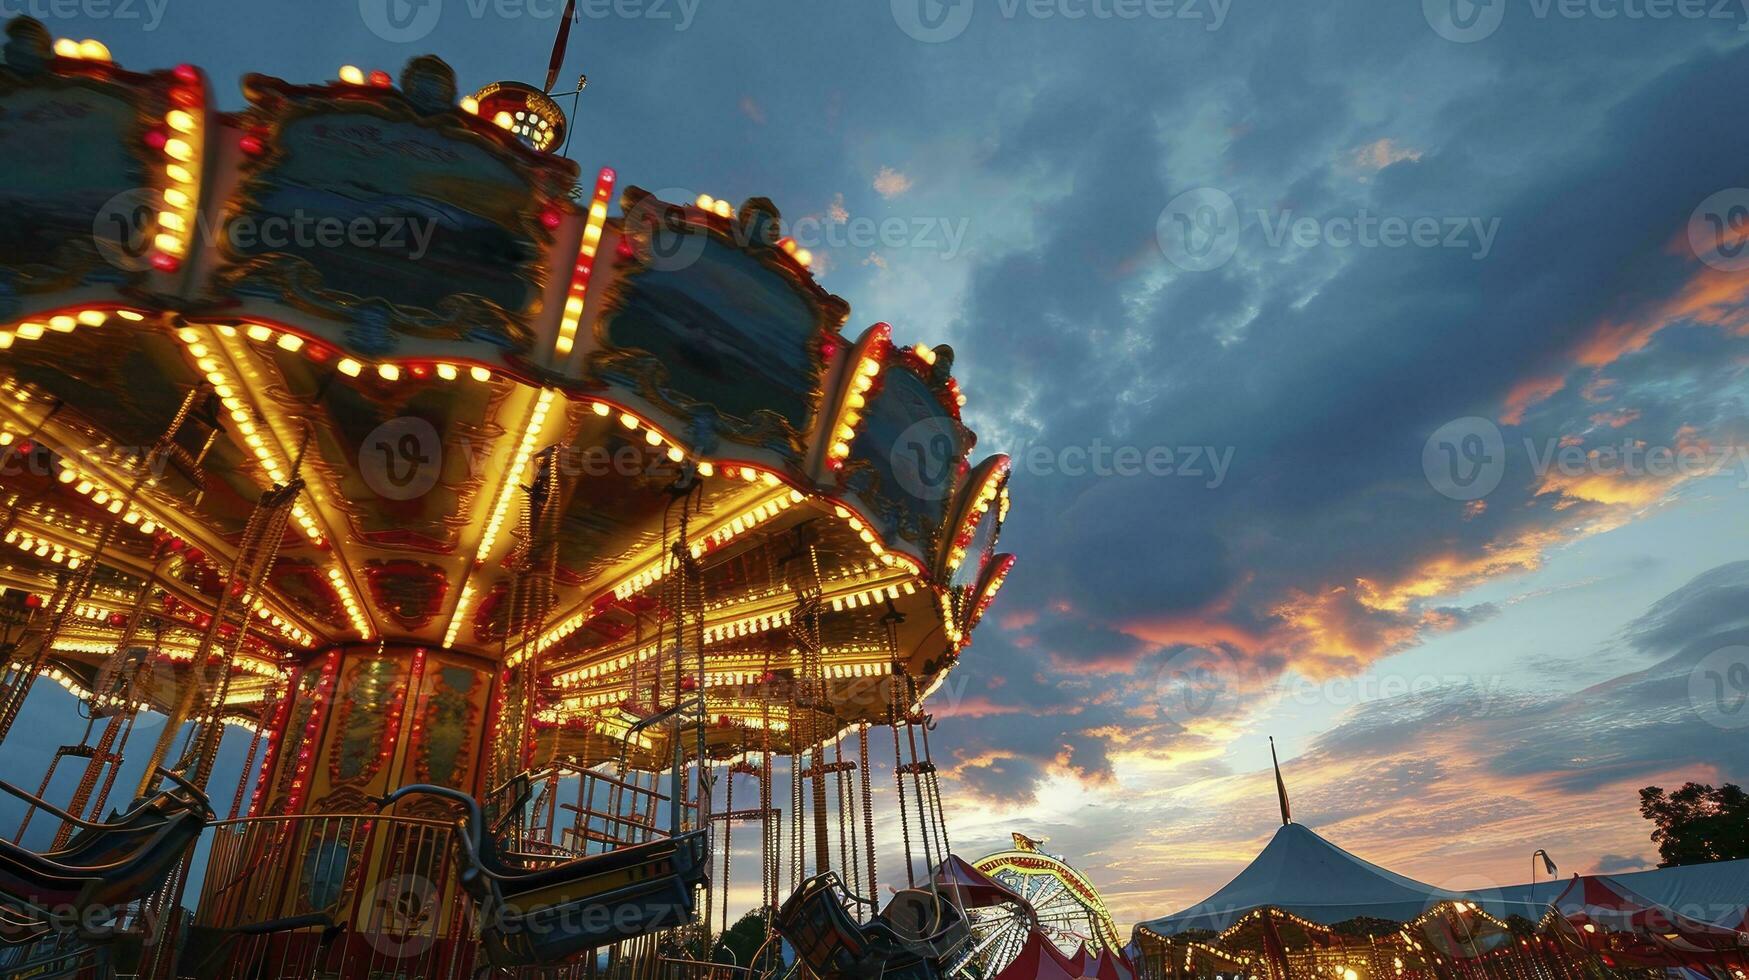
[[1327, 398]]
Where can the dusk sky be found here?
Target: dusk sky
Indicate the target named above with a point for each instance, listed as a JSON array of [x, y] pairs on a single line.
[[1262, 297]]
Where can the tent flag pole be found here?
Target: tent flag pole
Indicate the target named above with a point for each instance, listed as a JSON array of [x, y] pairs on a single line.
[[1280, 787]]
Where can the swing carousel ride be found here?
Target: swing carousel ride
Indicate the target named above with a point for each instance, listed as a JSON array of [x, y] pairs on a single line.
[[530, 554]]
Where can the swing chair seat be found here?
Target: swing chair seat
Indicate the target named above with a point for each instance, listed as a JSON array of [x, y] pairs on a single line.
[[541, 917], [80, 888], [548, 916], [910, 938]]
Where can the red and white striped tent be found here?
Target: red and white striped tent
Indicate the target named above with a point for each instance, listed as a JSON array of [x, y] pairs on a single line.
[[1608, 918]]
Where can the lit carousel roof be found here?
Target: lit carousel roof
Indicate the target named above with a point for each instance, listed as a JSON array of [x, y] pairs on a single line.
[[379, 291]]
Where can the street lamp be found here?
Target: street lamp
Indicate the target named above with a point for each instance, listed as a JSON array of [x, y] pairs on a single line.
[[1548, 864]]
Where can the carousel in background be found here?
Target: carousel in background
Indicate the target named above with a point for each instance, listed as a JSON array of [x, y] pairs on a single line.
[[530, 555]]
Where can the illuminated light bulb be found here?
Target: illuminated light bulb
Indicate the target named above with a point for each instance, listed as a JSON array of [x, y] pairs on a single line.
[[349, 367], [180, 120], [675, 455], [92, 318], [706, 202], [62, 324], [30, 331], [652, 438], [805, 257], [351, 75], [172, 221], [504, 120], [66, 47], [67, 476], [130, 315], [389, 372], [470, 105], [257, 332], [479, 373], [169, 243], [179, 149], [600, 408], [723, 209], [706, 469], [629, 420]]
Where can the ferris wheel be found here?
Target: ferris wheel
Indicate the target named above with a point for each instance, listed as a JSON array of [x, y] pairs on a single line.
[[1069, 911]]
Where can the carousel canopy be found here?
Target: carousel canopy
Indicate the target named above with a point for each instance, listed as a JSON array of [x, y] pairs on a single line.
[[1302, 873], [485, 416]]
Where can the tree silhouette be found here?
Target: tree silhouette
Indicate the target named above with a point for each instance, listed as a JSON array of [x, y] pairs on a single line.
[[1697, 823]]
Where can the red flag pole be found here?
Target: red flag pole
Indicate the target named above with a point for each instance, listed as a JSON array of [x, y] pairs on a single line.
[[559, 43]]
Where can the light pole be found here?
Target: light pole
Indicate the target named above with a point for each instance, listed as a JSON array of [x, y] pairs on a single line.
[[1548, 864]]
